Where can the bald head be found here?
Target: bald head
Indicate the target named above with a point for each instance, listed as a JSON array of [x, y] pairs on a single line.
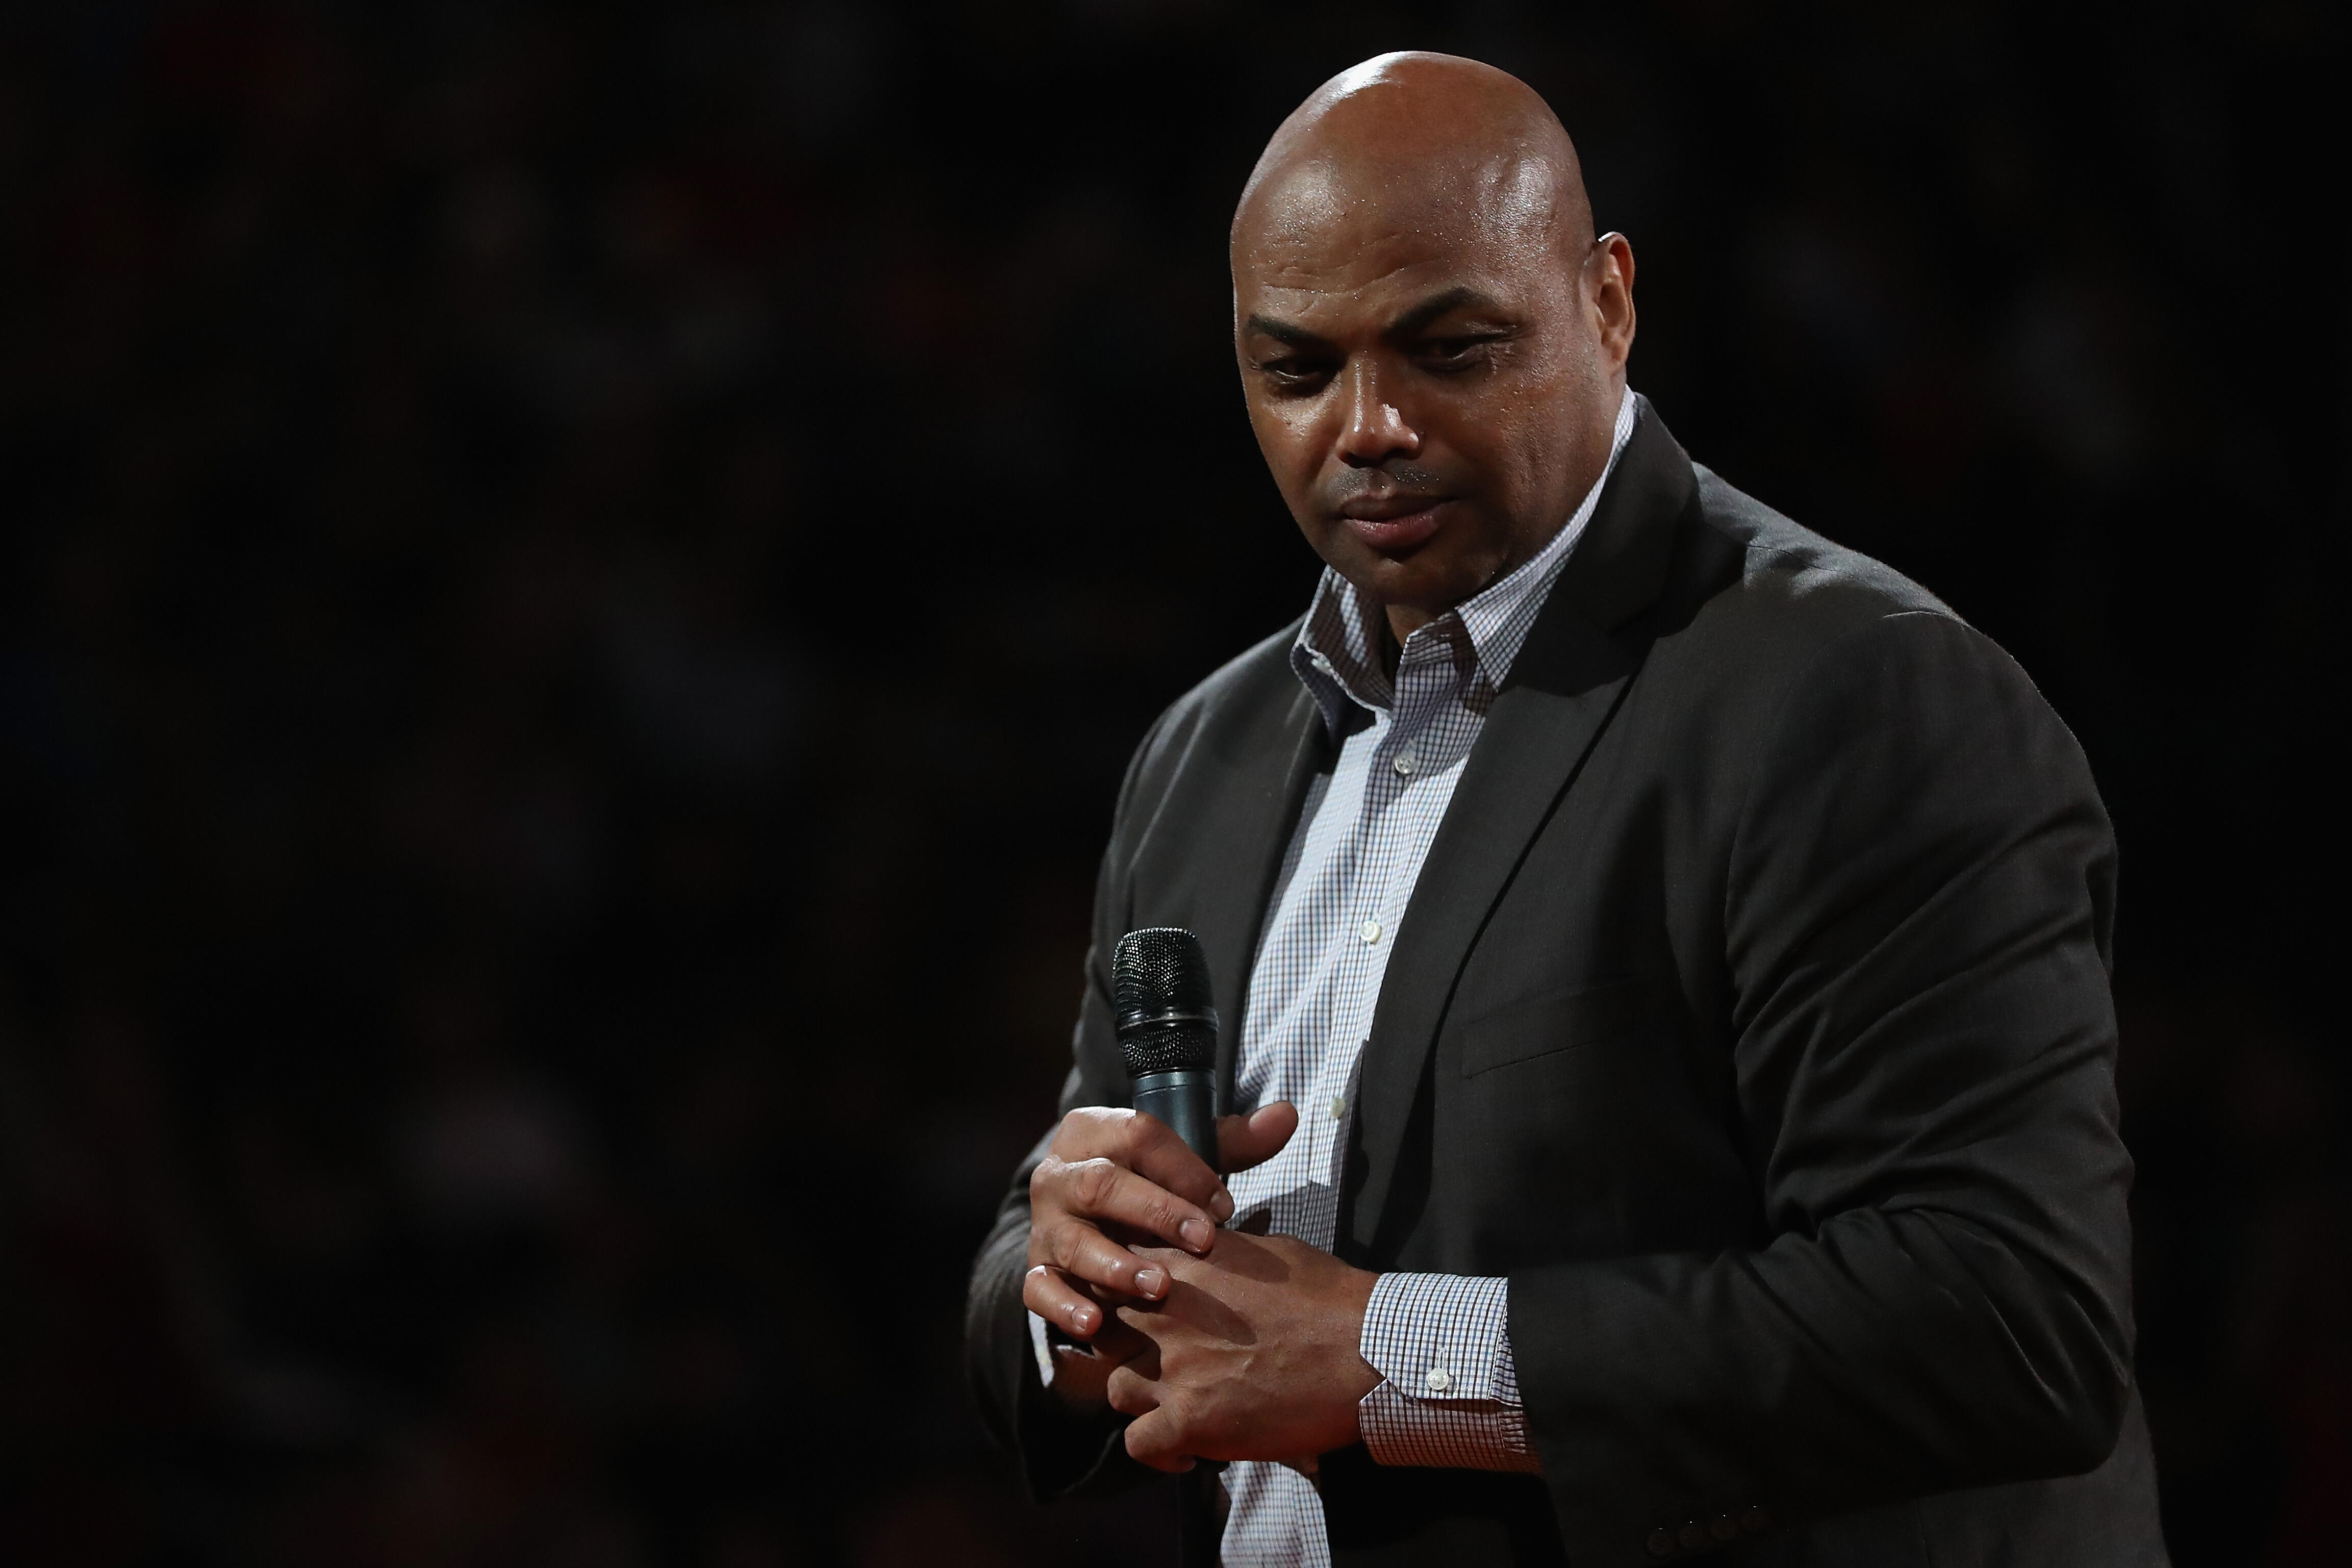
[[1419, 136], [1432, 340]]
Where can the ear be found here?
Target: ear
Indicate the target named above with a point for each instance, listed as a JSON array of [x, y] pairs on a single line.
[[1608, 288]]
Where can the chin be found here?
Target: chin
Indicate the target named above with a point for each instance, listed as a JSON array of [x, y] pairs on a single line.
[[1406, 585], [1428, 579]]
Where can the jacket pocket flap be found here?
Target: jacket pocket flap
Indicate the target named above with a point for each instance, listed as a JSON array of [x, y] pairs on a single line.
[[1560, 1021]]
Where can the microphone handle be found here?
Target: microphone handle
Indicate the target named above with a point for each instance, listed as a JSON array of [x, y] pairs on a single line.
[[1185, 1099]]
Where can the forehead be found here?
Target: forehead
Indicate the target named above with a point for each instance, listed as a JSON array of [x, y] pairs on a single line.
[[1321, 235]]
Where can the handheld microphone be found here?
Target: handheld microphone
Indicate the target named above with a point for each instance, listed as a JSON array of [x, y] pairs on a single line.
[[1168, 1031]]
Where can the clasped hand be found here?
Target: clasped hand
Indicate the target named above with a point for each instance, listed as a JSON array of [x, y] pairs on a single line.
[[1222, 1346]]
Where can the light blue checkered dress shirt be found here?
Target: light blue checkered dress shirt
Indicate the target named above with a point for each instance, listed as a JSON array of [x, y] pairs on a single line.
[[1442, 1341]]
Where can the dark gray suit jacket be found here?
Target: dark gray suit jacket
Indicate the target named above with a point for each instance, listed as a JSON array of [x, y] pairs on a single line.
[[1751, 1015]]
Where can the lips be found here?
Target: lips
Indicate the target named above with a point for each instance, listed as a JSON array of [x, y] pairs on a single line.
[[1393, 522]]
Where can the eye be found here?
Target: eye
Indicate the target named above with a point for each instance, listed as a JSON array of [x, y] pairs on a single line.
[[1296, 373], [1462, 352]]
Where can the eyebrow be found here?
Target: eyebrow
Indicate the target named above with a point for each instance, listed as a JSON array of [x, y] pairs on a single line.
[[1290, 333], [1404, 326]]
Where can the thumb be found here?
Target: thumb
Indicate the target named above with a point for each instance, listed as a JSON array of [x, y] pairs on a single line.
[[1251, 1140]]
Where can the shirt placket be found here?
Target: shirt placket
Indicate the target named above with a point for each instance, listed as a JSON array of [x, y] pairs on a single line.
[[1378, 890], [1322, 1114]]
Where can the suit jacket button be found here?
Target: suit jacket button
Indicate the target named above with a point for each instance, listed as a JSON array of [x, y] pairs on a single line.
[[1661, 1543], [1725, 1528], [1693, 1536], [1755, 1522]]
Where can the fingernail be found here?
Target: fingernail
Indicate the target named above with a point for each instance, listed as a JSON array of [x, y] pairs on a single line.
[[1197, 1234], [1151, 1281], [1082, 1319], [1220, 1203]]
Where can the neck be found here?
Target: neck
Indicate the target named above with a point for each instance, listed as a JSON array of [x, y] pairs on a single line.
[[1402, 621]]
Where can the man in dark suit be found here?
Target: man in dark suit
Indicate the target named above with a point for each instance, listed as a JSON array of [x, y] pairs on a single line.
[[1664, 959]]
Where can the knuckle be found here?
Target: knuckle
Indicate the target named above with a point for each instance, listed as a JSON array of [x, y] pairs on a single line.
[[1041, 1179], [1097, 1179], [1085, 1127], [1079, 1248]]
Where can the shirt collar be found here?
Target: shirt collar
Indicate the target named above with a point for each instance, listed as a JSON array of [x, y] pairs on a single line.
[[1337, 655]]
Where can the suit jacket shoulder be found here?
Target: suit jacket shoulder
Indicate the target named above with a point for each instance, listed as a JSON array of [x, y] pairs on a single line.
[[1221, 720], [1779, 598], [1789, 563]]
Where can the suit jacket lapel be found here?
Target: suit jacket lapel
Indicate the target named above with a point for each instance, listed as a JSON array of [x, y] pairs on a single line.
[[1559, 694], [1231, 904]]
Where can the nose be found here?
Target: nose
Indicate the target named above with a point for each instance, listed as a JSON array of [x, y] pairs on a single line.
[[1376, 430]]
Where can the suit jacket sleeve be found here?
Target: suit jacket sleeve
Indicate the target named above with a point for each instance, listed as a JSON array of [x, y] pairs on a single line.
[[1916, 919], [1060, 1454]]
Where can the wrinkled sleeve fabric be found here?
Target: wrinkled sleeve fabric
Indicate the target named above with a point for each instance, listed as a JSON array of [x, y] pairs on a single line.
[[1916, 909], [1451, 1398]]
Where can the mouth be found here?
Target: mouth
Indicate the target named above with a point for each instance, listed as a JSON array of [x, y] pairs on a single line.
[[1393, 522]]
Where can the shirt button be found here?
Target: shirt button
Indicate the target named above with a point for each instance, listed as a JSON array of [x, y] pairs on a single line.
[[1369, 930], [1439, 1380], [1319, 662], [1338, 1107], [1405, 763]]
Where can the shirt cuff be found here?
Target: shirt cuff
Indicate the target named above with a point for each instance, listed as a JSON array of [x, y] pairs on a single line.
[[1451, 1397], [1044, 1352]]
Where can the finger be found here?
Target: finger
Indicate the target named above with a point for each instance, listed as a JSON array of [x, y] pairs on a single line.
[[1052, 1298], [1252, 1140], [1144, 1144], [1089, 1131], [1150, 1147], [1118, 1345], [1152, 1439], [1088, 1257], [1104, 1191], [1129, 1393]]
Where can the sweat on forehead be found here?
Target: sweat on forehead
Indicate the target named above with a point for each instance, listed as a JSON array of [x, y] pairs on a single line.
[[1416, 137]]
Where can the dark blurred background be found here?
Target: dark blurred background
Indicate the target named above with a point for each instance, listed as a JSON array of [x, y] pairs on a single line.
[[564, 565]]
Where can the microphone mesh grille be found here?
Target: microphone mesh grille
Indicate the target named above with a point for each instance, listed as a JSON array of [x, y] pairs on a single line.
[[1169, 1050], [1161, 970]]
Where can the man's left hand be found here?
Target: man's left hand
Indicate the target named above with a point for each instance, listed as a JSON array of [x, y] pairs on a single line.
[[1252, 1355]]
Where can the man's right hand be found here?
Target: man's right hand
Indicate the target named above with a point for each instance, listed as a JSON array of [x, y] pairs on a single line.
[[1110, 1176]]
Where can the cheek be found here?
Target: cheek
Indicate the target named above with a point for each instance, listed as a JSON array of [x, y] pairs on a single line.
[[1292, 441], [1488, 441], [1522, 441]]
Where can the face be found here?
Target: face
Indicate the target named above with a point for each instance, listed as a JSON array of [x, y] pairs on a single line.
[[1434, 387]]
